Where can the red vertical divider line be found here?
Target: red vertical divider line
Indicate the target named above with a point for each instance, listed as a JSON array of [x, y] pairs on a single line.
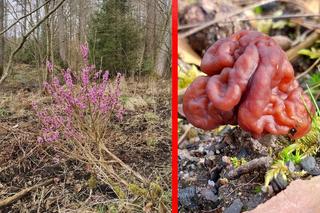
[[174, 108]]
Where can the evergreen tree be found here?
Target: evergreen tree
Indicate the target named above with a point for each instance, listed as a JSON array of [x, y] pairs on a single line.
[[115, 38]]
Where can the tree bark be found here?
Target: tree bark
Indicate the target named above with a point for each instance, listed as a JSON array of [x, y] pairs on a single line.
[[164, 50], [62, 36], [150, 44], [2, 20]]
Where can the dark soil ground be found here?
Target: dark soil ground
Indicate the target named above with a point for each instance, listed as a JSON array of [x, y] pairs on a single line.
[[143, 141], [204, 164]]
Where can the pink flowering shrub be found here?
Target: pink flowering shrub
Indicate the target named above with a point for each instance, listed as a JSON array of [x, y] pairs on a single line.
[[79, 112], [79, 117]]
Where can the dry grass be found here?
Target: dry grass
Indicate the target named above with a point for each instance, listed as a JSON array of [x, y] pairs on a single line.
[[142, 141]]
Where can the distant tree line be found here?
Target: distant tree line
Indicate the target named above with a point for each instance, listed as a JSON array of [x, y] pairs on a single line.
[[128, 36]]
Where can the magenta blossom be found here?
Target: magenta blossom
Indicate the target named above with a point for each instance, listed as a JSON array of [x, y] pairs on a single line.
[[79, 109]]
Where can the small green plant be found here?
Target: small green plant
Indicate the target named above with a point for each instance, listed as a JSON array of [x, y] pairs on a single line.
[[257, 189], [313, 53], [291, 153], [278, 168], [3, 112], [314, 78], [236, 162]]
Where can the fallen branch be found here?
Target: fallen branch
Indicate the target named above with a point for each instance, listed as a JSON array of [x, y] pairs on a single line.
[[124, 165], [184, 134], [263, 162], [23, 192], [309, 69], [293, 52]]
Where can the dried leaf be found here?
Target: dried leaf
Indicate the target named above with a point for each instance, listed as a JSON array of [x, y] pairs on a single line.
[[187, 54]]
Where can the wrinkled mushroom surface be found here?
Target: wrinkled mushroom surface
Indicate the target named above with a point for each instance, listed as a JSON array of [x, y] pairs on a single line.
[[250, 82]]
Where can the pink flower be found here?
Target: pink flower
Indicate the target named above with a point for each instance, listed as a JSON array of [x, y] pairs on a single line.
[[73, 103], [68, 78], [85, 76]]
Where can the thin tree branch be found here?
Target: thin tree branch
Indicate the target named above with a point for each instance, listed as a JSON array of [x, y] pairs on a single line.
[[309, 69], [22, 17], [24, 39], [258, 163]]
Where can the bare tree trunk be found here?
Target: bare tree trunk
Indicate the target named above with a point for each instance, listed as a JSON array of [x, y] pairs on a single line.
[[164, 50], [150, 44], [47, 75], [2, 20], [38, 19], [24, 9], [62, 37]]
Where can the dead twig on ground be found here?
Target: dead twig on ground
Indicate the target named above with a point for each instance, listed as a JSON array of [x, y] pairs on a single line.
[[23, 192], [309, 69], [242, 185], [184, 134], [293, 52], [263, 162]]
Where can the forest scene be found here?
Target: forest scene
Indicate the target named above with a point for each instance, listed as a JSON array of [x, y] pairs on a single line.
[[249, 134], [85, 113]]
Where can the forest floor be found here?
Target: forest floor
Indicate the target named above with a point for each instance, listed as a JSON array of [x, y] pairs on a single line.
[[207, 158], [143, 142]]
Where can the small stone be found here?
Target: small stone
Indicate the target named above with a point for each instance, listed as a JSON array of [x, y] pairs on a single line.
[[217, 152], [267, 189], [211, 154], [223, 181], [315, 172], [283, 41], [201, 149], [194, 140], [201, 161], [290, 166], [226, 160], [264, 189], [208, 163], [206, 138], [298, 168], [308, 163], [275, 187], [243, 153], [77, 187], [188, 198], [192, 167], [235, 207], [211, 183], [208, 194], [281, 182]]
